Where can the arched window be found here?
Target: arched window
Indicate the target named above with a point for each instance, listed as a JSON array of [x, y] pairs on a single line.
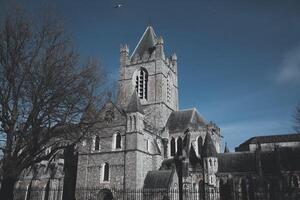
[[215, 162], [141, 83], [179, 146], [173, 148], [130, 123], [210, 163], [134, 123], [169, 91], [199, 144], [97, 143], [106, 172], [118, 141]]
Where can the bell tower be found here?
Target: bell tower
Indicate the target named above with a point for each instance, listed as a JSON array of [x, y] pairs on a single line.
[[152, 75]]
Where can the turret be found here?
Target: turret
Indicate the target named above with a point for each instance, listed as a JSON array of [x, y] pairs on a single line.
[[210, 163], [124, 59], [226, 149], [135, 114], [159, 48]]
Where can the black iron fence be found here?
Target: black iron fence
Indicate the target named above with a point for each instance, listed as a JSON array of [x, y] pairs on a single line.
[[149, 194]]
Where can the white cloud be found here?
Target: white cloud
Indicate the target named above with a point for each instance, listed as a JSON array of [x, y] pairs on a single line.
[[289, 71]]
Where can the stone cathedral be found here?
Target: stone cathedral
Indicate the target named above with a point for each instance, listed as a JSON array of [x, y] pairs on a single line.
[[140, 136], [141, 132]]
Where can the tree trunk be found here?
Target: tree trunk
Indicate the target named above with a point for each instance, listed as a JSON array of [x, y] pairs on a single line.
[[70, 169], [7, 188]]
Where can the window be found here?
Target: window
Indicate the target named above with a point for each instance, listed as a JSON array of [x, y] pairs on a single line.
[[105, 172], [210, 163], [179, 146], [118, 141], [169, 88], [199, 143], [173, 148], [134, 123], [130, 123], [97, 143], [141, 83]]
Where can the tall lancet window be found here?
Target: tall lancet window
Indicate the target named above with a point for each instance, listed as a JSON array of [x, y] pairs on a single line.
[[141, 83], [169, 91], [179, 146], [118, 141], [173, 147]]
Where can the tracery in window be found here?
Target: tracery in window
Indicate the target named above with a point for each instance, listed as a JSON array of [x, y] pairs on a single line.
[[141, 83]]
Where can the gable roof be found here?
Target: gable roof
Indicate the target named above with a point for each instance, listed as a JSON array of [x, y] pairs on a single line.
[[209, 149], [135, 104], [146, 43], [183, 119], [158, 179]]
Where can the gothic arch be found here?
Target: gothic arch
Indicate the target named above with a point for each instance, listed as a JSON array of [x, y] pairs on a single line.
[[118, 140], [97, 143], [173, 146], [105, 172], [134, 122], [179, 145], [130, 123], [169, 87], [199, 145], [140, 82]]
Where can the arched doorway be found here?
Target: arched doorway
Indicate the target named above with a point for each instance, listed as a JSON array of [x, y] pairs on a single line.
[[105, 194]]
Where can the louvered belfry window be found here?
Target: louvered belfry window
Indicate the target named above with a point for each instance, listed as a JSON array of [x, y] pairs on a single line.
[[141, 83]]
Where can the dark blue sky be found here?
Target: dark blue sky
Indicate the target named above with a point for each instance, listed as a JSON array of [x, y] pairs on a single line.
[[239, 61]]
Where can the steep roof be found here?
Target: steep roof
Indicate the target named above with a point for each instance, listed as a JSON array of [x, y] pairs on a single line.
[[158, 179], [146, 43], [273, 139], [209, 149], [237, 162], [135, 104], [183, 119]]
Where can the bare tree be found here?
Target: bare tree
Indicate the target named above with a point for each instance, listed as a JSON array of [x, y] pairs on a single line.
[[297, 119], [44, 91]]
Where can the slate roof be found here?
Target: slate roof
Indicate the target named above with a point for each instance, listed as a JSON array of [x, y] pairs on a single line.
[[184, 119], [209, 149], [158, 179], [273, 139], [237, 162], [135, 104], [146, 43], [284, 159]]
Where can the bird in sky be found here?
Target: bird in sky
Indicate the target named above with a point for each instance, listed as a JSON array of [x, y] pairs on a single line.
[[119, 5]]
